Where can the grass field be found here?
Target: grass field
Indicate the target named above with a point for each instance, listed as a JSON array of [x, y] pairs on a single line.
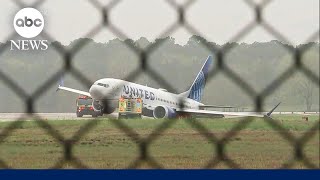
[[257, 145]]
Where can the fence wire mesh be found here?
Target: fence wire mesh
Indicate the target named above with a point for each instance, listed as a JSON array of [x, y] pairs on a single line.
[[143, 143]]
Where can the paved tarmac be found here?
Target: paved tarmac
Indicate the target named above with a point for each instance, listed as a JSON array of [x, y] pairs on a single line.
[[47, 116], [72, 116]]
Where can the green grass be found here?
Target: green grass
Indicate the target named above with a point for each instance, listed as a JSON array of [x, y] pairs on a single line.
[[257, 145]]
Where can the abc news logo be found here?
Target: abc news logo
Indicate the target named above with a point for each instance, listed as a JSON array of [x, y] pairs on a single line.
[[29, 23]]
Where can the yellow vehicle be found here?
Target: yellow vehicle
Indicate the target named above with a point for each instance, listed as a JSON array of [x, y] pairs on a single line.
[[130, 107]]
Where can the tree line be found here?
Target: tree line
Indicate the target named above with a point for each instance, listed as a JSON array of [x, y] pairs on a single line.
[[255, 65]]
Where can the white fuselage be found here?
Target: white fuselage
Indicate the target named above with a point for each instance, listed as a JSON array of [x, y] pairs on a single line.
[[113, 89]]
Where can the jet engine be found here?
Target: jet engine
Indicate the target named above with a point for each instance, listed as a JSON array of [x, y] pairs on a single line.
[[105, 106], [164, 112]]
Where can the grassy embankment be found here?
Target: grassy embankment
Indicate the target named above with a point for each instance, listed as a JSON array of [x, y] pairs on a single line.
[[257, 145]]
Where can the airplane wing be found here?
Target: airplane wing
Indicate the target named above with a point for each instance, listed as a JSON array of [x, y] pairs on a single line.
[[74, 91], [226, 114], [198, 112]]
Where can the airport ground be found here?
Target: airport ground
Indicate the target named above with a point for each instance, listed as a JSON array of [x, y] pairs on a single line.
[[257, 145]]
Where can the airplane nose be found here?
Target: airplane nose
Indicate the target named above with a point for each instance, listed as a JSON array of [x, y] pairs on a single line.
[[95, 92]]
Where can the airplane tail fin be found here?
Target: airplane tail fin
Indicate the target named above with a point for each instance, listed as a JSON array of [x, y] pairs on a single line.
[[61, 83], [196, 90]]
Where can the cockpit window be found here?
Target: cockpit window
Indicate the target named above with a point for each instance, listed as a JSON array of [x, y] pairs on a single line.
[[103, 85]]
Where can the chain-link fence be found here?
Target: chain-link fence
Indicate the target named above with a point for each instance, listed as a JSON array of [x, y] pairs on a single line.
[[144, 54]]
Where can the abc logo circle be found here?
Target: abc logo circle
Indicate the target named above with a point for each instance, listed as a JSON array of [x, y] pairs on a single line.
[[28, 22]]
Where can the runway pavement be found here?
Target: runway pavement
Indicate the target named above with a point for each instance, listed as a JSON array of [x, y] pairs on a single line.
[[72, 116], [47, 116]]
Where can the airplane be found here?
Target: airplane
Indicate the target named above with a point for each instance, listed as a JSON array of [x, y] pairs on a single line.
[[159, 103]]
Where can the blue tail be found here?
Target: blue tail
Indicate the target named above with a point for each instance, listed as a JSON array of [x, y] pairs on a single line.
[[196, 90]]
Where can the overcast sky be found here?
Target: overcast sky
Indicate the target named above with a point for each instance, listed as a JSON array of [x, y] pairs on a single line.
[[217, 20]]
